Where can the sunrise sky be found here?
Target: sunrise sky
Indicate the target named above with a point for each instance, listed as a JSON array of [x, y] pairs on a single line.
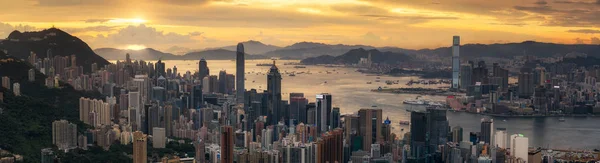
[[198, 24]]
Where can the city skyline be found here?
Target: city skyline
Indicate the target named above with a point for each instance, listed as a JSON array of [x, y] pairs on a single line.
[[195, 24]]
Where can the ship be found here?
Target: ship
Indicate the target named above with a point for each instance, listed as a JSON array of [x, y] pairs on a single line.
[[264, 64], [414, 102], [299, 66], [404, 123]]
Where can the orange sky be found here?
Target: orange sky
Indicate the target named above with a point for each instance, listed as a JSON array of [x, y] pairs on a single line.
[[199, 24]]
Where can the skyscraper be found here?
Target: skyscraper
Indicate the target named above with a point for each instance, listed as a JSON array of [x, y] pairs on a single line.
[[526, 85], [274, 93], [500, 138], [139, 147], [200, 154], [370, 121], [6, 82], [227, 144], [519, 145], [31, 75], [455, 61], [466, 72], [323, 114], [203, 70], [17, 89], [487, 131], [159, 69], [298, 108], [64, 134], [428, 130], [222, 82], [240, 71]]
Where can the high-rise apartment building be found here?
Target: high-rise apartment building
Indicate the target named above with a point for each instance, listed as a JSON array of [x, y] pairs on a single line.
[[64, 134], [227, 144], [6, 82]]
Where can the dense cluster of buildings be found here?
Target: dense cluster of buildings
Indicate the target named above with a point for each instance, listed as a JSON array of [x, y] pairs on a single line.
[[544, 86], [148, 106]]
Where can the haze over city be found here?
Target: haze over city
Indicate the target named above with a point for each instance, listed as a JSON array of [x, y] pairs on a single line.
[[198, 24]]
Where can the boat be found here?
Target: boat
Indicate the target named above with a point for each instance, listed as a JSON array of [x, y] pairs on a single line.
[[414, 102], [264, 64], [374, 106], [404, 122], [369, 82], [292, 74], [325, 82], [561, 119], [389, 82], [299, 66]]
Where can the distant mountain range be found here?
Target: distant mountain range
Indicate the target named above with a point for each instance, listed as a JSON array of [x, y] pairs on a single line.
[[144, 54], [153, 54], [21, 44], [509, 50], [303, 50], [251, 47], [354, 55]]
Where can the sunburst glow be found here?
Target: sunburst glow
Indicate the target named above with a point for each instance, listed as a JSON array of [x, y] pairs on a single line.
[[132, 21], [135, 47]]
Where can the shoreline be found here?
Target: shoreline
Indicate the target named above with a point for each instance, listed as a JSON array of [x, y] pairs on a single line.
[[423, 91], [525, 116]]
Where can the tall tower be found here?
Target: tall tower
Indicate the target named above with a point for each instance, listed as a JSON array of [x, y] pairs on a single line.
[[240, 71], [455, 61], [274, 91]]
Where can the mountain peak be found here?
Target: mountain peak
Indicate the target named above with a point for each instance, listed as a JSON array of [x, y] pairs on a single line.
[[21, 44]]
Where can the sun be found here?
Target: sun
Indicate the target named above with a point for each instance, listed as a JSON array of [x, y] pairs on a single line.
[[135, 47]]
